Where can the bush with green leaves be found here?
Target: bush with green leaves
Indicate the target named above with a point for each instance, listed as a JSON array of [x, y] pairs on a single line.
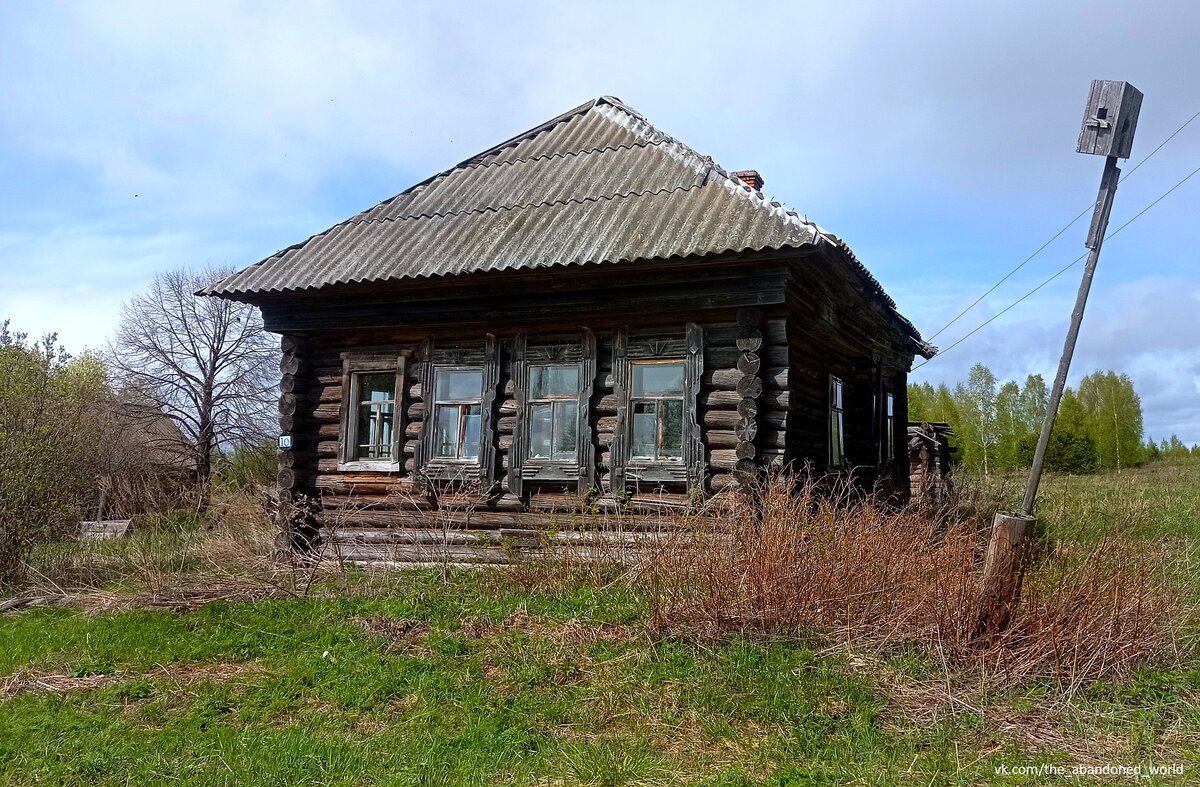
[[48, 447]]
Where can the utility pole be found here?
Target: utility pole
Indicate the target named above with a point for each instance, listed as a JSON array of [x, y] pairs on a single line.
[[1109, 122]]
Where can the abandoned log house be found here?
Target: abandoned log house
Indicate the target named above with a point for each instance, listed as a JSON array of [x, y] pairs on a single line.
[[588, 315]]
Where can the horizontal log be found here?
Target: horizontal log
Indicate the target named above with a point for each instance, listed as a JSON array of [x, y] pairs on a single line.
[[720, 438], [287, 383], [290, 344], [746, 429], [291, 478], [292, 364], [353, 485], [750, 387], [720, 400], [750, 315], [776, 378], [508, 407], [414, 391], [327, 430], [745, 450], [749, 363], [289, 403], [745, 471], [329, 413], [507, 424], [295, 458], [728, 419], [328, 448], [722, 459], [412, 430], [749, 338], [416, 411], [400, 498], [721, 379], [747, 408], [722, 481]]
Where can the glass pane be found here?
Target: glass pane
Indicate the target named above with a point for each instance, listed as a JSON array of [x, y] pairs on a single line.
[[835, 393], [890, 406], [470, 441], [553, 381], [835, 437], [566, 421], [376, 387], [657, 379], [445, 434], [645, 429], [374, 431], [671, 436], [455, 384], [541, 427]]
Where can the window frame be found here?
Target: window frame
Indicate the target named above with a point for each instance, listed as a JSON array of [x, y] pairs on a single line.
[[436, 405], [690, 469], [556, 403], [659, 420], [888, 442], [429, 467], [355, 366], [562, 350], [837, 413]]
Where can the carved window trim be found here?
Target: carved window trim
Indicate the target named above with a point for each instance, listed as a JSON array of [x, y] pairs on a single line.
[[580, 350], [484, 355], [690, 468], [355, 365]]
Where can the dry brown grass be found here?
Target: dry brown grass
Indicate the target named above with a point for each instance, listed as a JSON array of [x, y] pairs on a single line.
[[788, 559]]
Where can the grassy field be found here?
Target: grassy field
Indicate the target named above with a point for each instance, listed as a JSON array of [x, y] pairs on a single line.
[[468, 678]]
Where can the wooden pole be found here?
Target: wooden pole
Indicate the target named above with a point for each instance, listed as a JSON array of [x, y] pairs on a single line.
[[1109, 120], [1104, 201]]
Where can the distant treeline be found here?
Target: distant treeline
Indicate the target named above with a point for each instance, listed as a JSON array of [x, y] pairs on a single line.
[[997, 424]]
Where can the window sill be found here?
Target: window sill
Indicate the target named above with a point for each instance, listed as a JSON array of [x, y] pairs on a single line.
[[370, 466]]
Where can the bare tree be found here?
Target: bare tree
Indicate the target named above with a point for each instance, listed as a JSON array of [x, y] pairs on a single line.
[[206, 363]]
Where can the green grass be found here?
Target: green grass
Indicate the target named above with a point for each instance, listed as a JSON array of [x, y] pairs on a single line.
[[476, 682]]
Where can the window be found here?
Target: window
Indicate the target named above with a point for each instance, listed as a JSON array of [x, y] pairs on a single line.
[[837, 449], [889, 428], [458, 409], [375, 415], [656, 406], [553, 412], [371, 437]]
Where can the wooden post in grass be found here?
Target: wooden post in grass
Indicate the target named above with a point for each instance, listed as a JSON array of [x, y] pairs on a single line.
[[1109, 121]]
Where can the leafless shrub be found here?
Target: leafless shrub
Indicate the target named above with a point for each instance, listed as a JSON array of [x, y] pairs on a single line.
[[785, 559]]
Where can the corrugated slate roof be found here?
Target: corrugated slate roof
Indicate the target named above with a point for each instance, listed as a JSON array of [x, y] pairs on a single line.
[[595, 184]]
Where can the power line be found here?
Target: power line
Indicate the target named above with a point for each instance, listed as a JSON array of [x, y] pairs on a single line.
[[1056, 235], [1072, 264]]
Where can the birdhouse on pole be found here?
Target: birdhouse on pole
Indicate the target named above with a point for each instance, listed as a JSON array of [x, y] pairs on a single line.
[[1110, 119]]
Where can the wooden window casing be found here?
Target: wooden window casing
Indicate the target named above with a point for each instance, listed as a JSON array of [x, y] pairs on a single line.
[[837, 422], [576, 465], [431, 459], [363, 417], [688, 467]]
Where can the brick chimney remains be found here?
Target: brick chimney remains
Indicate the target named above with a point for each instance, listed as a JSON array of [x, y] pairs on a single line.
[[750, 177]]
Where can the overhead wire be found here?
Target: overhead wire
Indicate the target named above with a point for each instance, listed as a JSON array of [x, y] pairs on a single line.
[[1060, 272], [1056, 235]]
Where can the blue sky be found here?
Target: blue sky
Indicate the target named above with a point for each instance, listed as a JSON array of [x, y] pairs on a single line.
[[939, 143]]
